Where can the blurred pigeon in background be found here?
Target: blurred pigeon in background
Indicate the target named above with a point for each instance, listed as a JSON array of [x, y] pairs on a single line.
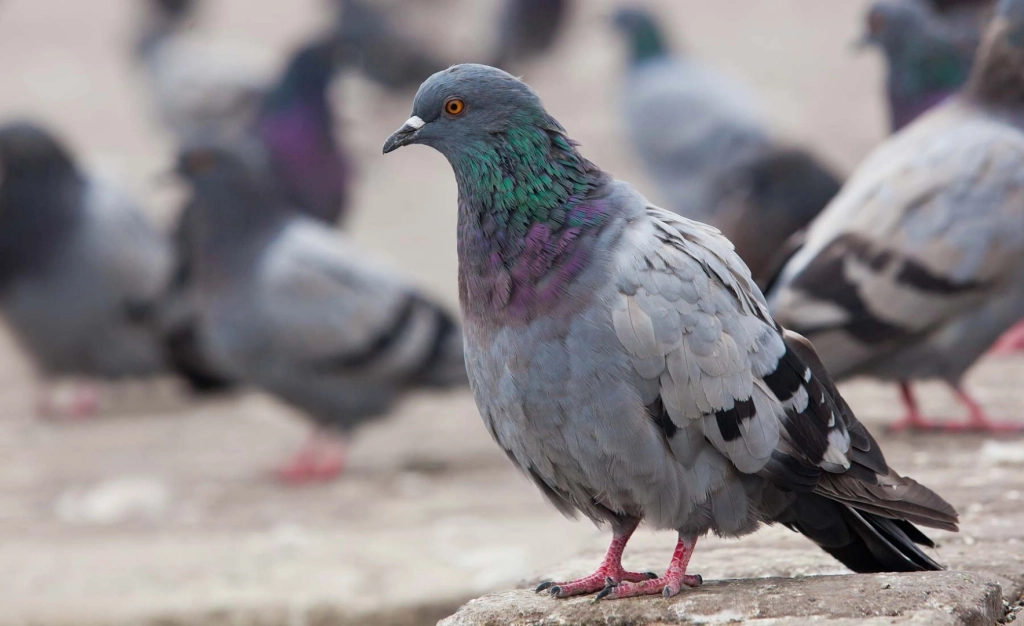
[[296, 127], [292, 138], [624, 359], [289, 306], [373, 45], [928, 55], [527, 29], [81, 270], [709, 152], [198, 86], [918, 265]]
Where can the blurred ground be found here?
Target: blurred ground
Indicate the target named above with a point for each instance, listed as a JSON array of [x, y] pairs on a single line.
[[165, 512]]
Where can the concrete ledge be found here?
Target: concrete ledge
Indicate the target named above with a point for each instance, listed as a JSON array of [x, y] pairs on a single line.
[[933, 598]]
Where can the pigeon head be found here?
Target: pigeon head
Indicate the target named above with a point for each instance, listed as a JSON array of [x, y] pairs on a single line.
[[201, 163], [29, 152], [928, 57], [893, 25], [497, 136], [459, 110], [231, 193], [526, 195], [643, 35], [309, 72], [998, 74], [176, 9]]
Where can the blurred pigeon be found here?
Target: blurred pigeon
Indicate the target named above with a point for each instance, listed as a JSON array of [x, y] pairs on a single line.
[[287, 305], [928, 55], [384, 54], [293, 139], [527, 29], [624, 359], [296, 127], [918, 265], [81, 270], [709, 152], [198, 86]]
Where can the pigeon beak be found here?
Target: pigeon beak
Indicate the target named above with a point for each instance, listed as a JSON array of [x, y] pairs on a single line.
[[404, 135]]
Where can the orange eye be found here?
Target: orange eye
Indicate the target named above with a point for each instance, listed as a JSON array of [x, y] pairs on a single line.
[[454, 106]]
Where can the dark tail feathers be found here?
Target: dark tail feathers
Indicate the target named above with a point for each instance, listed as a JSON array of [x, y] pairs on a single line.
[[862, 541]]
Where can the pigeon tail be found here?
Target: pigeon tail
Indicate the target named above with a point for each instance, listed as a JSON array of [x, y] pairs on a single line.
[[862, 541], [444, 364]]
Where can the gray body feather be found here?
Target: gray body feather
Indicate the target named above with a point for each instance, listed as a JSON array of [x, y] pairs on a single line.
[[84, 303], [918, 265], [658, 394], [286, 304]]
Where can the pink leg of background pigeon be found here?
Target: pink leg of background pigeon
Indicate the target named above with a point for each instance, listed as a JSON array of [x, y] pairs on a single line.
[[668, 585], [1011, 342], [610, 569], [320, 459], [83, 402], [977, 421]]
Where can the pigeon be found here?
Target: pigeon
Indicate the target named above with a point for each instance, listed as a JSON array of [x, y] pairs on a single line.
[[379, 50], [918, 265], [296, 126], [623, 357], [292, 137], [928, 55], [198, 86], [720, 166], [527, 29], [289, 306], [81, 270]]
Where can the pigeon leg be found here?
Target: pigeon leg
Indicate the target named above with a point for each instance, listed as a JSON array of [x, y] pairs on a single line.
[[319, 460], [609, 572], [668, 585], [1011, 342], [914, 419], [80, 401], [978, 419]]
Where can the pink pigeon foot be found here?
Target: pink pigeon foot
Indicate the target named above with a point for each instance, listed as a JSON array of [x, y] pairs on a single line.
[[668, 585], [609, 572], [1012, 341], [82, 403], [977, 421], [320, 459]]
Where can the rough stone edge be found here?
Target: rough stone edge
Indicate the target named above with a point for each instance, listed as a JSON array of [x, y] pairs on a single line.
[[992, 609]]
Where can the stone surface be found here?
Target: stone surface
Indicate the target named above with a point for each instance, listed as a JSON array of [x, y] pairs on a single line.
[[937, 598]]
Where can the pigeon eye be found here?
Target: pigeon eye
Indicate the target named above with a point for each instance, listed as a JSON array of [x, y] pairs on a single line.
[[454, 106], [200, 161]]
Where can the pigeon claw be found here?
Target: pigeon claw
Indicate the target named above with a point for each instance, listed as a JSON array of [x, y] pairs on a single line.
[[597, 581], [668, 586]]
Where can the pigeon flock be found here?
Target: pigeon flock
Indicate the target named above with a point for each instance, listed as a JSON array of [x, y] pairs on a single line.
[[672, 366]]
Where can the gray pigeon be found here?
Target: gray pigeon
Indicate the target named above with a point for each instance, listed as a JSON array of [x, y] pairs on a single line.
[[928, 54], [198, 86], [381, 51], [624, 359], [293, 137], [287, 305], [707, 149], [81, 270], [527, 29], [918, 265]]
